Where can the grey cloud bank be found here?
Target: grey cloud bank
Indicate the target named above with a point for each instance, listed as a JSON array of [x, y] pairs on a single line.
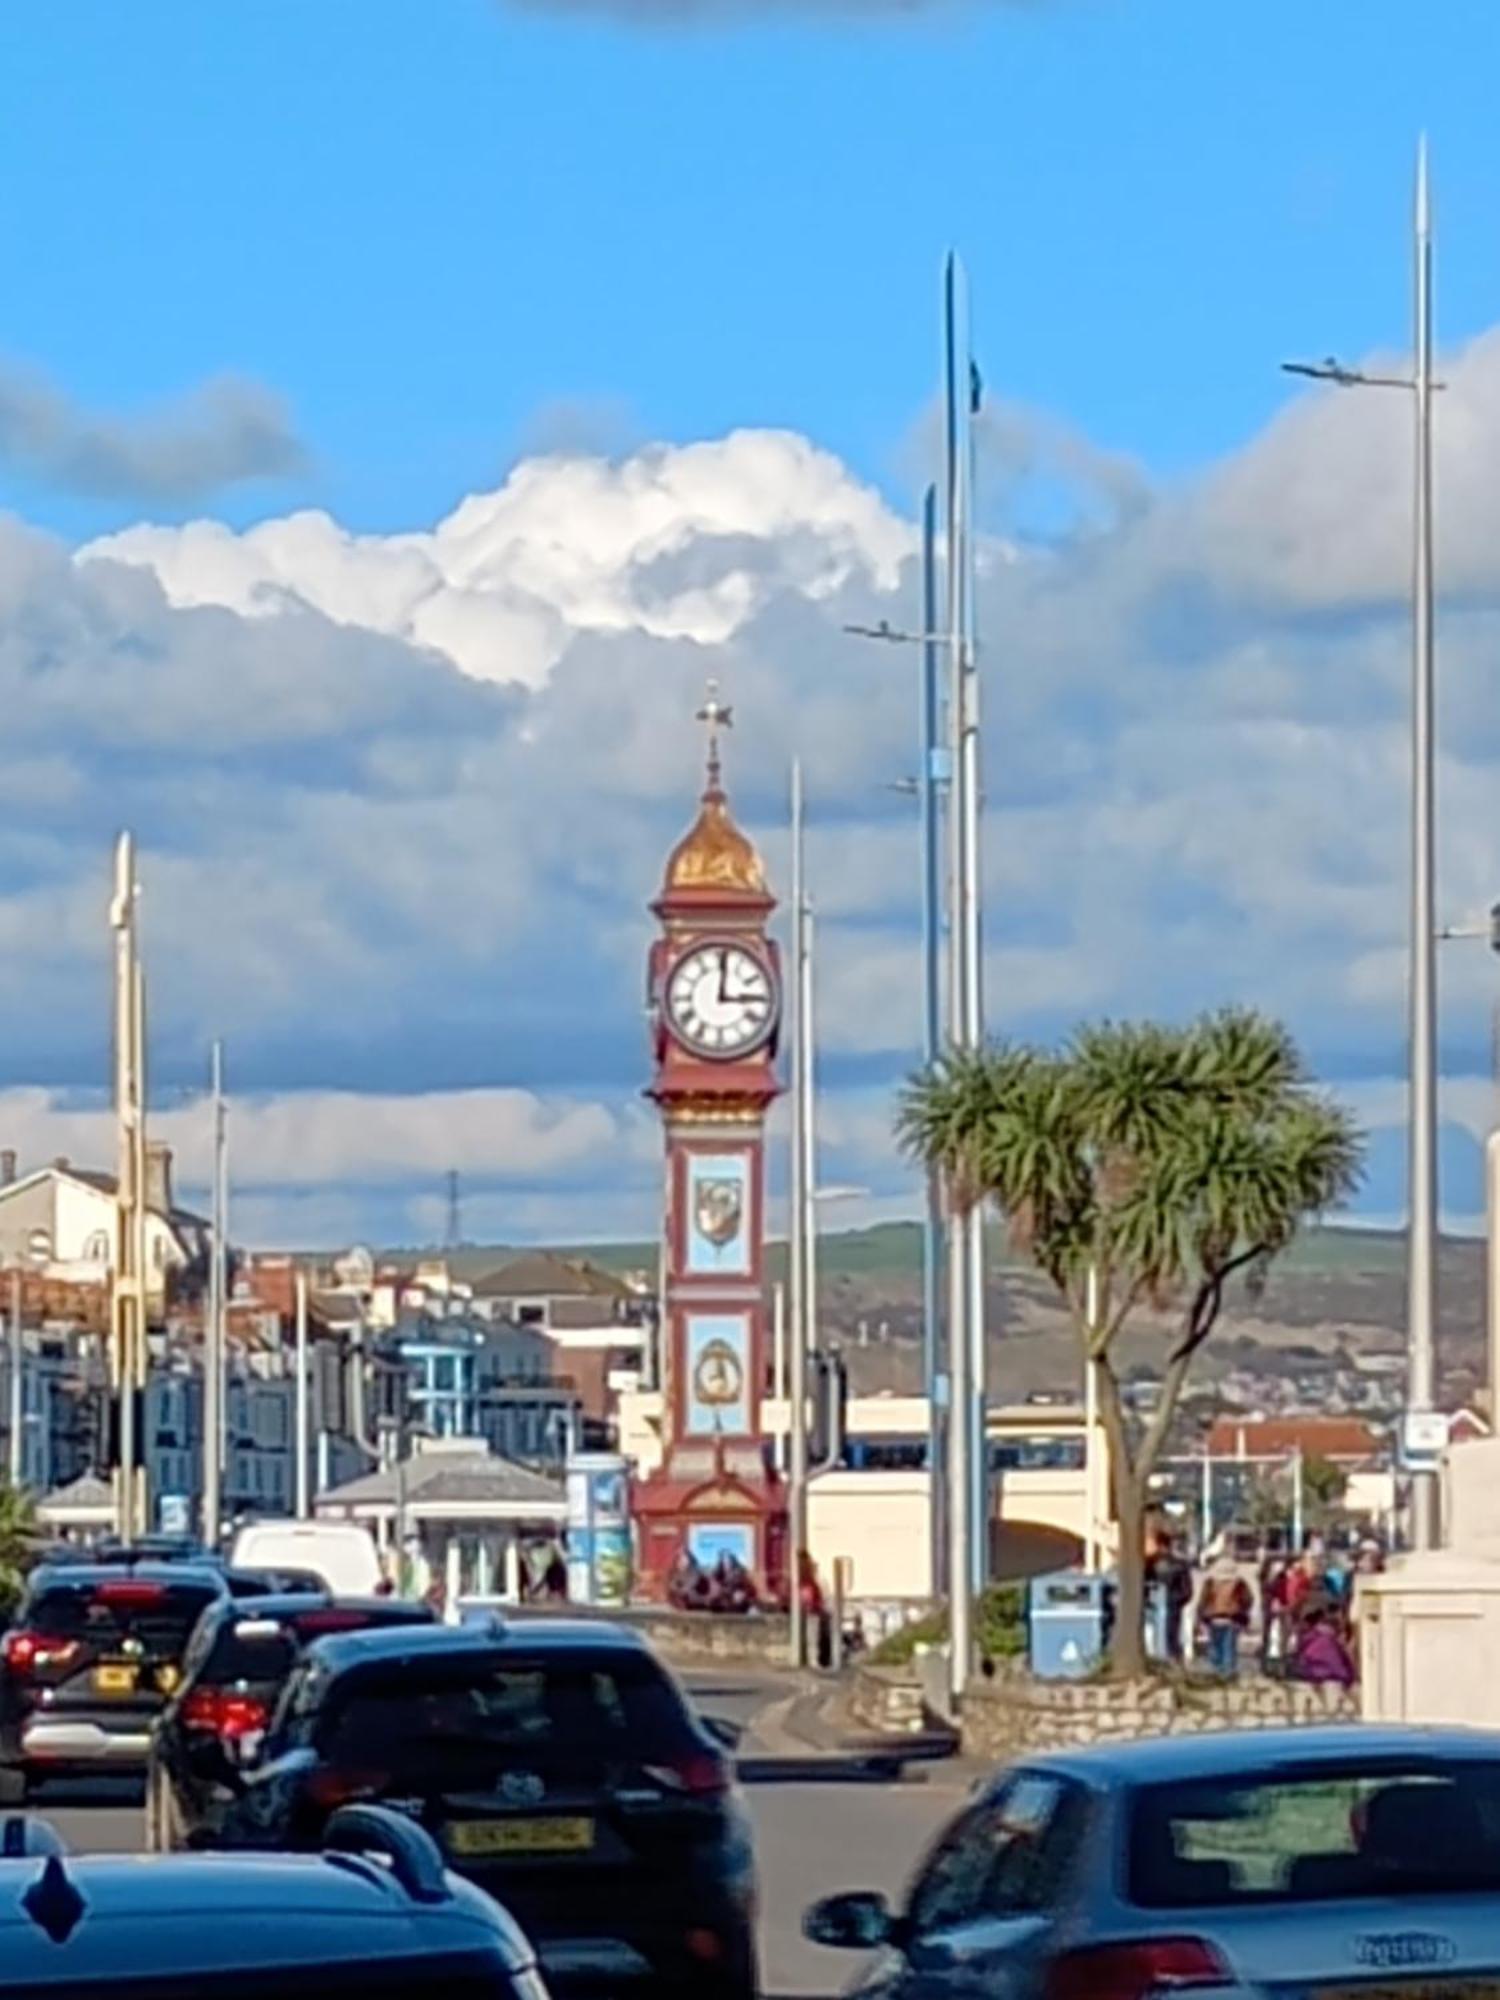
[[220, 434]]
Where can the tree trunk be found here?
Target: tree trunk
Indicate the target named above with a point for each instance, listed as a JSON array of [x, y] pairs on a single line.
[[1127, 1652]]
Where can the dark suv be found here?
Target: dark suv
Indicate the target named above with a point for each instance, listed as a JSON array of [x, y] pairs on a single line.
[[558, 1766], [237, 1663], [92, 1659]]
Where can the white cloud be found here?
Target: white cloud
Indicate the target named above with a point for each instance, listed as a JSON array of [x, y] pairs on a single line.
[[403, 800], [674, 543], [311, 1139]]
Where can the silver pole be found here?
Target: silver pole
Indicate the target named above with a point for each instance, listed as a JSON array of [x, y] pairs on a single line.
[[213, 1328], [1094, 1512], [126, 1298], [17, 1457], [778, 1367], [1421, 1311], [301, 1399], [961, 996], [797, 1260], [142, 1260], [935, 769]]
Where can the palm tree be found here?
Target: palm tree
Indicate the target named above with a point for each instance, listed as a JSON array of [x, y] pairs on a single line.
[[1139, 1167], [18, 1545]]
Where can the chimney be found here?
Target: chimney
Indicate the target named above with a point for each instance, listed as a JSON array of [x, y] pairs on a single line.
[[7, 1166], [159, 1176]]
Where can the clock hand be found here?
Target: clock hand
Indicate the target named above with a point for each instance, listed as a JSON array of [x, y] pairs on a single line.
[[723, 977]]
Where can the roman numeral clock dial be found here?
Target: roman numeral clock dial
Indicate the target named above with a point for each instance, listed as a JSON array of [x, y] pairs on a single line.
[[721, 1000]]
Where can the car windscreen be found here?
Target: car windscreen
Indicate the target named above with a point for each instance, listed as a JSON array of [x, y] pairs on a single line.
[[104, 1615], [1354, 1828], [559, 1709]]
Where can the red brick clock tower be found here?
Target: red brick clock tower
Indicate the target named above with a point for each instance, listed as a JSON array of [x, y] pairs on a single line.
[[715, 1003]]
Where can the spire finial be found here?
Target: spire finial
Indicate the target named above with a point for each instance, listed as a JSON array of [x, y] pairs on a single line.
[[714, 715]]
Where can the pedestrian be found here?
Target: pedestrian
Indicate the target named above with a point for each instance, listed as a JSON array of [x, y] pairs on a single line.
[[1321, 1657], [1273, 1614], [1224, 1607], [1171, 1580]]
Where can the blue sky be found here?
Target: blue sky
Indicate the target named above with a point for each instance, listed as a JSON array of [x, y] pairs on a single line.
[[459, 228], [648, 306]]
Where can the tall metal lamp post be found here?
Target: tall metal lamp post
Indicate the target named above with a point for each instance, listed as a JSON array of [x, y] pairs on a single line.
[[1422, 1225]]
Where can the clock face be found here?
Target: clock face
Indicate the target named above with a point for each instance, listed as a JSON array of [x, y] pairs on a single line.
[[721, 1000]]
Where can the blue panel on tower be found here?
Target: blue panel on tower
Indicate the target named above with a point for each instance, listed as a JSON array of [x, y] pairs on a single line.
[[718, 1213], [717, 1393]]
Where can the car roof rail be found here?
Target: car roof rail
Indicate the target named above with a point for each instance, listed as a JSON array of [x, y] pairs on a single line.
[[413, 1855], [23, 1834]]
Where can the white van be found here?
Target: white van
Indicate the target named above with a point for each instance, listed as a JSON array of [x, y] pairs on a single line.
[[341, 1552]]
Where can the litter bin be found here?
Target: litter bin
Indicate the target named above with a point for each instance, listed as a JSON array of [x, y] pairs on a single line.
[[1066, 1614]]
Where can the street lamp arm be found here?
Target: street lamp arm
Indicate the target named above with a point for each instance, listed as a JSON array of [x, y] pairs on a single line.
[[889, 633], [1349, 378]]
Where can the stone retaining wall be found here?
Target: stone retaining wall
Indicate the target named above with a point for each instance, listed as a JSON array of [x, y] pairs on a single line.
[[888, 1701], [1018, 1716], [758, 1637]]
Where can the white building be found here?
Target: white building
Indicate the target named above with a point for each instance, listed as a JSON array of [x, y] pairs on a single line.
[[74, 1210]]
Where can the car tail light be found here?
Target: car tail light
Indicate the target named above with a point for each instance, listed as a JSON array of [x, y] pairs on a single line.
[[311, 1624], [224, 1714], [130, 1592], [342, 1788], [1136, 1971], [700, 1775], [26, 1651]]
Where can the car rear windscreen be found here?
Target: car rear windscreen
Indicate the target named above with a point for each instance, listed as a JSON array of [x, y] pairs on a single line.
[[160, 1616], [543, 1709], [1347, 1829]]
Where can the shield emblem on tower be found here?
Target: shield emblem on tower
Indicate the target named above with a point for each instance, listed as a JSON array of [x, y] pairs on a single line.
[[719, 1209]]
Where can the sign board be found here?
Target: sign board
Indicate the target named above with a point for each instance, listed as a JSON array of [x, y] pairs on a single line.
[[1424, 1439], [173, 1510]]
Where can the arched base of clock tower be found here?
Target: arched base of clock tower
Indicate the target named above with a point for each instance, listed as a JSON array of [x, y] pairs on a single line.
[[677, 1515]]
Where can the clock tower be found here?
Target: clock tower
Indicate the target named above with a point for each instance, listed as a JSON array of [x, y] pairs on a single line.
[[714, 988]]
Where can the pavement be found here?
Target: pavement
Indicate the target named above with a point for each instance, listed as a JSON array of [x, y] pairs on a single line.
[[830, 1812]]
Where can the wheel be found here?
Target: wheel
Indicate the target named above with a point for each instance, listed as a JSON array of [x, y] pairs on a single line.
[[13, 1787]]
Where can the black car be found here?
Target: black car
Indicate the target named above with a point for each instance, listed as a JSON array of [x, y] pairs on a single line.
[[237, 1664], [557, 1764], [374, 1916], [93, 1657]]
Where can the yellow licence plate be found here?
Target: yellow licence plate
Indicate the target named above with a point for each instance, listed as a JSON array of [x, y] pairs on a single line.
[[1415, 1989], [115, 1680], [520, 1836]]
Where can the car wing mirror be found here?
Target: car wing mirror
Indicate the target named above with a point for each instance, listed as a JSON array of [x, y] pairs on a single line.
[[859, 1921]]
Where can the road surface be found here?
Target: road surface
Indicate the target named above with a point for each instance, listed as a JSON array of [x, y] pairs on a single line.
[[812, 1838]]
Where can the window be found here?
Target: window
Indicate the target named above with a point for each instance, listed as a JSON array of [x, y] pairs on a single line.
[[96, 1249], [571, 1711], [1004, 1857], [1365, 1828]]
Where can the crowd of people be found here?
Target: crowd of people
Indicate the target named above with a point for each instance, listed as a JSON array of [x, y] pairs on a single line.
[[1303, 1607]]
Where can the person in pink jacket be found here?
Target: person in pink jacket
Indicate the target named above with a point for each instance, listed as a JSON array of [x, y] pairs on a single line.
[[1321, 1656]]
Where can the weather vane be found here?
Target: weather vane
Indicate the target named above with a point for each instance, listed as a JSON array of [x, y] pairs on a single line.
[[714, 715]]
